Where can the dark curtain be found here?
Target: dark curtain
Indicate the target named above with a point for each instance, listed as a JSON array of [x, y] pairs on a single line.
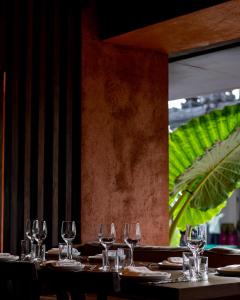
[[40, 53]]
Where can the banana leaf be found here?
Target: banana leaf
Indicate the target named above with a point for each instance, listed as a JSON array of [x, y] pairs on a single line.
[[204, 166]]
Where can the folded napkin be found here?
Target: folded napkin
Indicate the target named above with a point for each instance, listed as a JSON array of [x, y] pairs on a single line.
[[97, 256], [4, 254], [173, 261], [143, 271], [111, 253], [63, 263], [55, 251], [8, 257], [232, 267]]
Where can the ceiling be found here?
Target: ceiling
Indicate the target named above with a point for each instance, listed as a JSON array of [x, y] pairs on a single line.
[[204, 74], [206, 32]]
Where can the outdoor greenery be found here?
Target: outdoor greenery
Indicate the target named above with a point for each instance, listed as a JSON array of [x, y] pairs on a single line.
[[204, 166]]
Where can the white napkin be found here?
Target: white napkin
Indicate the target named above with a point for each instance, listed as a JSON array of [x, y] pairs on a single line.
[[4, 254], [173, 261], [55, 251], [232, 267], [62, 263], [97, 256], [143, 271], [8, 257]]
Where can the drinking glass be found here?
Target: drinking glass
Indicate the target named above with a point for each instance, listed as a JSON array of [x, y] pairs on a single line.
[[29, 235], [196, 237], [39, 230], [107, 236], [132, 236], [68, 233]]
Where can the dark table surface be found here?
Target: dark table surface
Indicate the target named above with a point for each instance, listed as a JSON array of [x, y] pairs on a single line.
[[112, 283], [92, 280]]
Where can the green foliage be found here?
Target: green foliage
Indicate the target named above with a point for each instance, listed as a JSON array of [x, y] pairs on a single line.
[[204, 161], [175, 239], [190, 141]]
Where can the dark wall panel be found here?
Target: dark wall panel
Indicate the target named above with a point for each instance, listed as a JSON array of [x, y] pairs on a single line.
[[41, 57]]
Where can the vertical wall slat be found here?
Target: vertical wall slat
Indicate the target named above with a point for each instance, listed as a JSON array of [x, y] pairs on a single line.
[[69, 122], [14, 138], [41, 124], [40, 132], [28, 116], [56, 96], [2, 202]]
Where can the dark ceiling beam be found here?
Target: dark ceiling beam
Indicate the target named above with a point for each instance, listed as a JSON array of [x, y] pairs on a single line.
[[121, 16]]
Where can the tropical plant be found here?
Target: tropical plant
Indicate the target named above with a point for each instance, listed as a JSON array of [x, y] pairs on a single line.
[[204, 166]]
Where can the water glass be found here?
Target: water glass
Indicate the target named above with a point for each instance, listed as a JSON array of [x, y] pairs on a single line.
[[201, 272], [42, 252], [29, 235], [25, 250], [105, 261], [185, 266], [109, 260], [123, 258], [112, 259], [203, 267], [34, 251], [62, 247], [193, 273]]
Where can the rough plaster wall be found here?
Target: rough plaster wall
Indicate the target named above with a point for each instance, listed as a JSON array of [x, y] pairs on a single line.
[[124, 138]]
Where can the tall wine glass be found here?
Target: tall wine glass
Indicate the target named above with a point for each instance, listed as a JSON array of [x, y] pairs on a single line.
[[68, 233], [196, 237], [39, 230], [107, 236], [29, 235], [132, 236]]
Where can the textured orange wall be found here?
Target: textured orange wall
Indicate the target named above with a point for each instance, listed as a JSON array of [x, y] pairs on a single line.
[[124, 137]]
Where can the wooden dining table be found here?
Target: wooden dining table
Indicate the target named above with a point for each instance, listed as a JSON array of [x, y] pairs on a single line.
[[103, 284], [216, 287], [94, 281]]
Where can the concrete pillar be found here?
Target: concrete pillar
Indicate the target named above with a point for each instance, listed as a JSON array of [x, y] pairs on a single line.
[[124, 137]]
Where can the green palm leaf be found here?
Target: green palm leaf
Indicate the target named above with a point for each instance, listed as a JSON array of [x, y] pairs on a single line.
[[191, 140], [202, 179]]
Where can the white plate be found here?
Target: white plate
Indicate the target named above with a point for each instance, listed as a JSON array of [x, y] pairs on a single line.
[[95, 257], [9, 258], [68, 267], [229, 271], [147, 277], [169, 266]]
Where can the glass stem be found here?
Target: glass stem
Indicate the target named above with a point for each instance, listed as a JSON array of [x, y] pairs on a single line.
[[39, 250], [131, 261], [107, 260], [195, 255], [31, 250], [68, 251]]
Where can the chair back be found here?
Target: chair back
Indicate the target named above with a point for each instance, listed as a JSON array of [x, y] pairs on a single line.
[[19, 280]]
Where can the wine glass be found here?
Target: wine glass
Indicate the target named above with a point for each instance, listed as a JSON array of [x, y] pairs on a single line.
[[107, 236], [68, 233], [30, 236], [196, 237], [132, 236], [39, 231]]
